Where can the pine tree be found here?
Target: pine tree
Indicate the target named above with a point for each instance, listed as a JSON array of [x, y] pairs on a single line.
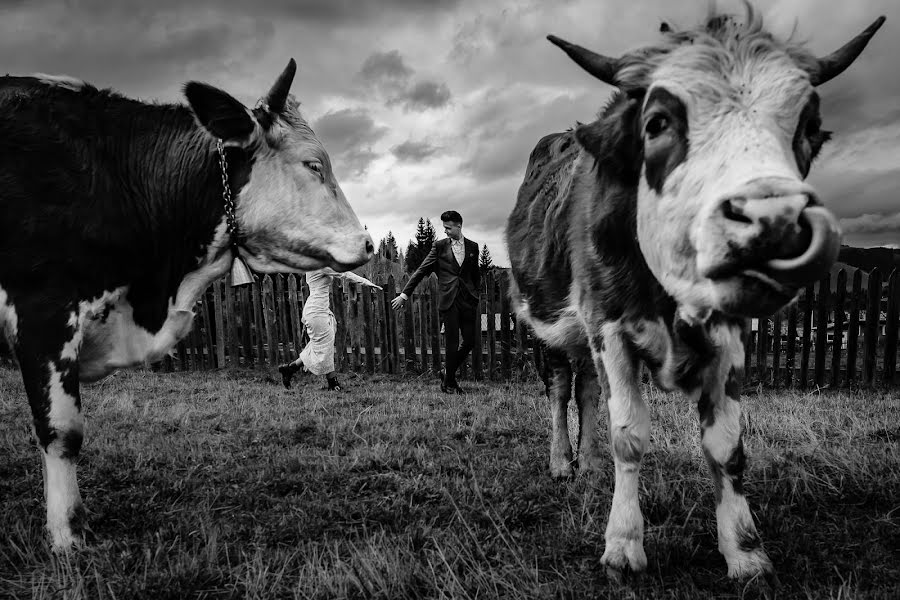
[[485, 263], [413, 260]]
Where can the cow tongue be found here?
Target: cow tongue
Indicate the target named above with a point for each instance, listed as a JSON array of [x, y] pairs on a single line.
[[818, 257]]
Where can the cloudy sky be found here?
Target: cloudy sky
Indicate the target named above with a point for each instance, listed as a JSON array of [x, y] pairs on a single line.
[[426, 105]]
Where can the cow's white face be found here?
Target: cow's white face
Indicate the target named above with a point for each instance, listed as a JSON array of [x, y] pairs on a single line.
[[724, 217], [716, 127], [291, 214]]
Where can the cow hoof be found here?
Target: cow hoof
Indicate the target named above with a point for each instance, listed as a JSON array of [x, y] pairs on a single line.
[[63, 541], [561, 470], [753, 565], [624, 558], [590, 463]]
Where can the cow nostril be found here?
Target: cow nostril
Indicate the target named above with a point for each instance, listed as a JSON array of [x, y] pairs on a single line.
[[733, 210], [370, 248]]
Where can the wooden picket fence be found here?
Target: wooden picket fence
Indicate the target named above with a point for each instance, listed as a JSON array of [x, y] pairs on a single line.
[[258, 326]]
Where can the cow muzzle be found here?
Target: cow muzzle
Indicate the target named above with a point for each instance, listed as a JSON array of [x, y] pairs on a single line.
[[774, 230]]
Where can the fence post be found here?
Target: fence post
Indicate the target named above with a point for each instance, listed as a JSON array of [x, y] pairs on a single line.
[[890, 334], [434, 318], [219, 316], [853, 332], [762, 350], [505, 334], [822, 328], [422, 306], [873, 316], [231, 318], [807, 336], [790, 359], [491, 309], [294, 308], [409, 338], [776, 348], [837, 344]]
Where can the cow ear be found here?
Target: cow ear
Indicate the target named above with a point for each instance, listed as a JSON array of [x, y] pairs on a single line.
[[614, 138], [222, 115]]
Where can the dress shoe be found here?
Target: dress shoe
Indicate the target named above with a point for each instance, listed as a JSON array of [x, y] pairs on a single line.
[[287, 373]]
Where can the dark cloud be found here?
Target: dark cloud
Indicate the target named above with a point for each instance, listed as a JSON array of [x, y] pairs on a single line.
[[414, 151], [382, 67], [423, 95], [872, 223], [507, 124], [348, 135]]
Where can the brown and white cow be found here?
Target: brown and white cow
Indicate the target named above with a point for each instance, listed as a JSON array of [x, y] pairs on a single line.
[[652, 233], [117, 215]]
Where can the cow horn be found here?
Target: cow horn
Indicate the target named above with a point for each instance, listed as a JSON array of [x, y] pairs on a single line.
[[602, 67], [278, 94], [834, 64]]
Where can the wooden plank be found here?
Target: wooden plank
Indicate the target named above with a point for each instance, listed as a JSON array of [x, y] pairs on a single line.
[[823, 301], [231, 325], [246, 307], [762, 349], [776, 348], [182, 355], [340, 331], [853, 330], [422, 312], [393, 329], [258, 329], [280, 317], [410, 361], [840, 297], [355, 325], [221, 332], [870, 337], [209, 347], [383, 308], [807, 335], [891, 328], [478, 348], [491, 309], [369, 326], [505, 334], [197, 341], [749, 345], [790, 359], [268, 312], [294, 309], [435, 317]]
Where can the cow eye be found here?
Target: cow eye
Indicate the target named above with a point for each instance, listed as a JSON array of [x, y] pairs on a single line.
[[813, 127], [314, 165], [656, 125]]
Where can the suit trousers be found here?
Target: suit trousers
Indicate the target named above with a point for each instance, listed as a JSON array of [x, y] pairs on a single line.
[[461, 317]]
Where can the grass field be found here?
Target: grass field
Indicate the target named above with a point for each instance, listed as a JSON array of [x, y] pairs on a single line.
[[225, 485]]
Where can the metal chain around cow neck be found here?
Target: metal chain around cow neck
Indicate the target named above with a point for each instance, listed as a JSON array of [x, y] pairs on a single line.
[[240, 272]]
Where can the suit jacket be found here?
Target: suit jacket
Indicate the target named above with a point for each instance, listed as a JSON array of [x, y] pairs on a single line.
[[453, 280]]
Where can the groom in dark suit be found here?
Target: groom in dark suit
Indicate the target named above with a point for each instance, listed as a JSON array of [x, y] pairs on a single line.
[[455, 260]]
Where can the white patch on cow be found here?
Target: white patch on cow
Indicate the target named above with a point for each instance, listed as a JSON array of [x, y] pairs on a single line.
[[720, 440], [65, 81], [565, 331], [740, 129], [9, 321], [118, 342], [64, 414], [629, 432], [60, 481]]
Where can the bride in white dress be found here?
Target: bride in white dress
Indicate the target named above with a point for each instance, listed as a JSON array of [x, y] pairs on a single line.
[[317, 356]]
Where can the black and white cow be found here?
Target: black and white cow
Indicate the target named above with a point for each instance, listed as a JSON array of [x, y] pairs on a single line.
[[652, 233], [116, 217]]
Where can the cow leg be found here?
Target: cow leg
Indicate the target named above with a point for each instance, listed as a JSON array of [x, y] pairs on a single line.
[[558, 383], [47, 350], [587, 395], [721, 430], [629, 436]]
